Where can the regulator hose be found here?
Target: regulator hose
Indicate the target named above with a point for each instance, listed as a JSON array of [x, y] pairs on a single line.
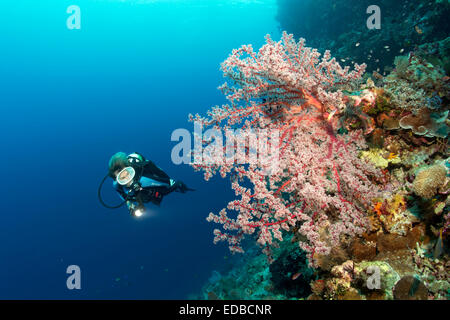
[[99, 195]]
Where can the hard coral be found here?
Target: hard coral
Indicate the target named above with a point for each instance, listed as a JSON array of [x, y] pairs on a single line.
[[410, 288], [395, 217], [339, 285], [394, 242], [363, 250], [426, 123], [414, 82], [364, 272], [337, 256], [380, 158], [428, 181]]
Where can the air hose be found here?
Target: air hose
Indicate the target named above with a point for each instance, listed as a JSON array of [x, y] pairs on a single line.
[[99, 195]]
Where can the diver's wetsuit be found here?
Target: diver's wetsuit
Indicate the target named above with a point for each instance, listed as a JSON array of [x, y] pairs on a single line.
[[154, 183]]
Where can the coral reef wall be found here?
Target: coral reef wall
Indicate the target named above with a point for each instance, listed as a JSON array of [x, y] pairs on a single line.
[[340, 26], [360, 209]]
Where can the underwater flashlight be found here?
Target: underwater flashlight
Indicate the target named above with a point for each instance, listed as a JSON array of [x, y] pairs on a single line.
[[138, 212]]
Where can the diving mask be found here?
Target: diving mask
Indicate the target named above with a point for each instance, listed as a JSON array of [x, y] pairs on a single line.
[[125, 176]]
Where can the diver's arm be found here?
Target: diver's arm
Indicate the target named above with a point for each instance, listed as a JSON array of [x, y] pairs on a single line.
[[178, 186], [151, 170]]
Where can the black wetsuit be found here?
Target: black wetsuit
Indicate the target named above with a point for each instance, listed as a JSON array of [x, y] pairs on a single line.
[[153, 183]]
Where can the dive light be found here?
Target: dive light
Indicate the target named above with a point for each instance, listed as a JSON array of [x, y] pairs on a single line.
[[137, 210]]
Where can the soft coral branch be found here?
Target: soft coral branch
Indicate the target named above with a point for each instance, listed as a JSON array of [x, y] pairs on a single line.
[[321, 186]]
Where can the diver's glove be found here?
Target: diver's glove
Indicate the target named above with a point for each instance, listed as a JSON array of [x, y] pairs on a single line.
[[135, 209], [136, 187], [131, 207]]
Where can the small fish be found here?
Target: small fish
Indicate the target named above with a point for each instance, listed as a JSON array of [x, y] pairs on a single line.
[[377, 208], [392, 156], [357, 45], [401, 50], [386, 47], [295, 276], [418, 30], [376, 75], [343, 60], [331, 115]]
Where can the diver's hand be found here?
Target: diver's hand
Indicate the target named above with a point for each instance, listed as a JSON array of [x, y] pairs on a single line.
[[131, 206], [136, 187]]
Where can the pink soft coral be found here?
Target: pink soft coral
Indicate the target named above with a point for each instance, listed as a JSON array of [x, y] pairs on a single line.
[[321, 187]]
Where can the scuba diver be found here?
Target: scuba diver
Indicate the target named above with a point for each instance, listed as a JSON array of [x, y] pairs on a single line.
[[139, 181]]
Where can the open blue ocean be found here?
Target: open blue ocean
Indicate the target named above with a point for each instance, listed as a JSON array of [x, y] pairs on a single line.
[[70, 99]]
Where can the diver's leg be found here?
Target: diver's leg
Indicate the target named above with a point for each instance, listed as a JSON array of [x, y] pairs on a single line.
[[180, 186]]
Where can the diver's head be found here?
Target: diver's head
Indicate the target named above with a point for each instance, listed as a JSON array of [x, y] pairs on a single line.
[[118, 162]]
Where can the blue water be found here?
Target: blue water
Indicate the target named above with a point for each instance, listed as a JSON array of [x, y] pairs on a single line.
[[69, 99]]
